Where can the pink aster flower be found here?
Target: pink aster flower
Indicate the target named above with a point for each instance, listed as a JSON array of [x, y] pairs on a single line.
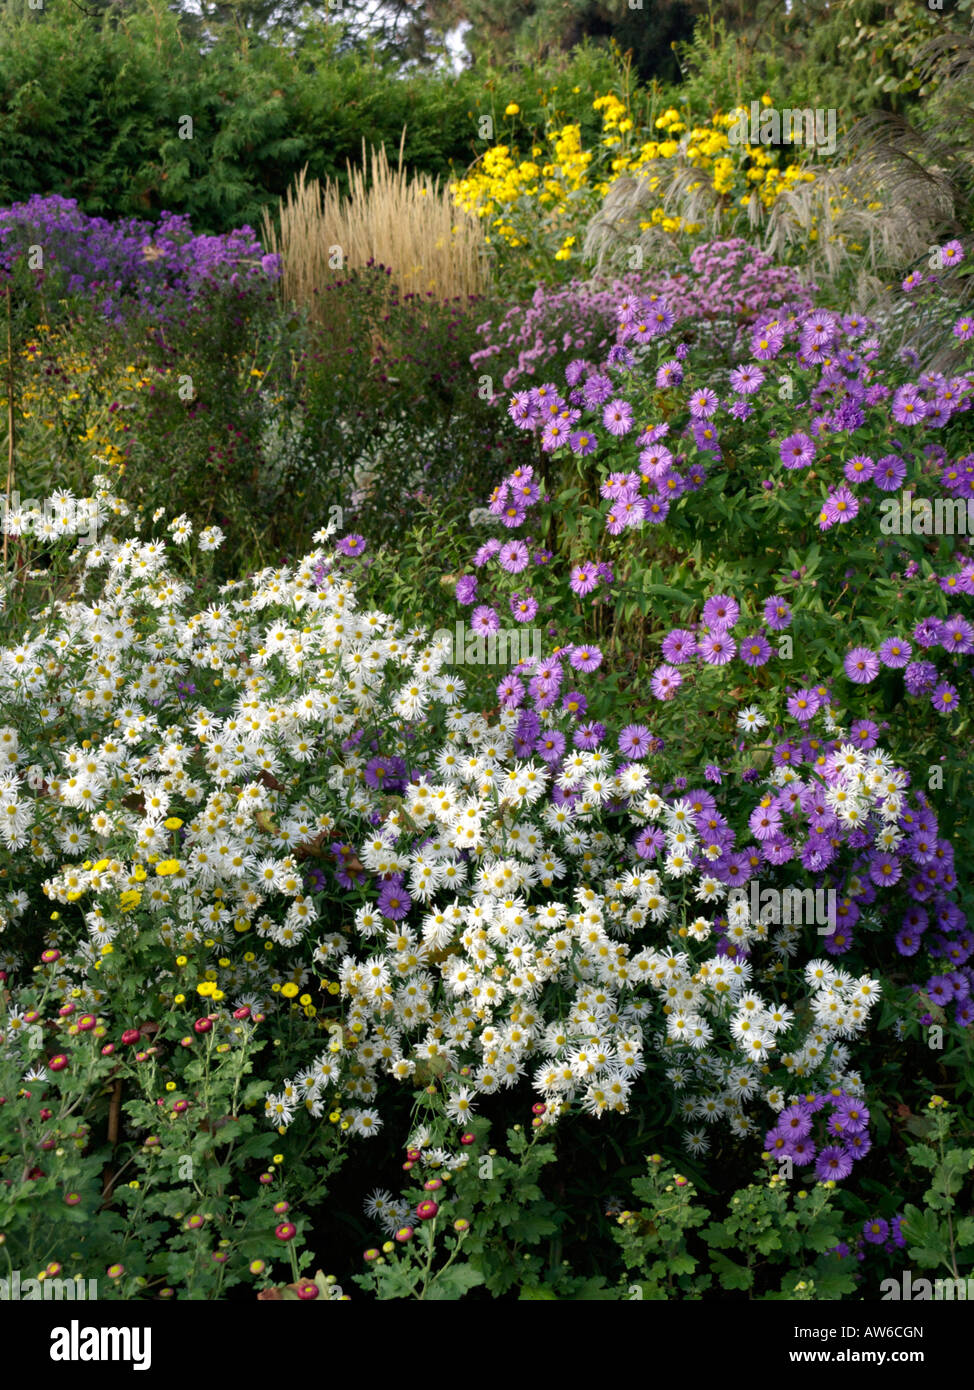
[[666, 682], [617, 417]]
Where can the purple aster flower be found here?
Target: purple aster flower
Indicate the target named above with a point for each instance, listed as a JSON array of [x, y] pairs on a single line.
[[703, 403], [895, 652], [889, 473], [951, 253], [634, 741], [620, 356], [589, 735], [718, 648], [939, 990], [803, 1151], [858, 469], [550, 746], [583, 443], [524, 489], [350, 545], [957, 635], [575, 370], [485, 619], [777, 613], [797, 451], [668, 374], [377, 772], [755, 650], [920, 677], [510, 692], [721, 611], [876, 1231], [574, 703], [513, 557], [555, 434], [598, 389], [655, 510], [803, 705], [944, 698], [705, 436], [861, 665], [927, 632], [833, 1163], [885, 870], [394, 902], [543, 395], [679, 646], [522, 410], [486, 552], [747, 379], [864, 734], [908, 407], [655, 460], [964, 329], [585, 659], [584, 578], [765, 821], [466, 590], [524, 607], [649, 842], [795, 1121], [766, 344], [842, 505]]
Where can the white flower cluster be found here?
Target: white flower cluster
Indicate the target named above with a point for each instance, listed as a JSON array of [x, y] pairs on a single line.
[[181, 771]]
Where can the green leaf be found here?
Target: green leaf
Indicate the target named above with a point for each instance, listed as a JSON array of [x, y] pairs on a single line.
[[730, 1274]]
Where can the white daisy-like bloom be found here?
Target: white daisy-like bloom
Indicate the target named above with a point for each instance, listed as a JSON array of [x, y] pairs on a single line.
[[524, 942], [750, 719]]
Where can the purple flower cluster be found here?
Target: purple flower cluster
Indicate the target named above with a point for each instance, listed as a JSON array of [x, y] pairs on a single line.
[[156, 269], [726, 287], [832, 1142]]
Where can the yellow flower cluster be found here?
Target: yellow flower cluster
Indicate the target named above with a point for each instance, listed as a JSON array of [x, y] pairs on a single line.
[[63, 390], [497, 190], [537, 200]]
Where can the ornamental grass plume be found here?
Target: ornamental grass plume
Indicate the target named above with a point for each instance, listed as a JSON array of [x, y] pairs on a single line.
[[404, 222]]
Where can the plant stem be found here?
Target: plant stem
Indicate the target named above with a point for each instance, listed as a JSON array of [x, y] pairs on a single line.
[[10, 423]]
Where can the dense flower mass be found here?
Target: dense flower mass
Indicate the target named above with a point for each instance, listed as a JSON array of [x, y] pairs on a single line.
[[515, 907], [156, 268]]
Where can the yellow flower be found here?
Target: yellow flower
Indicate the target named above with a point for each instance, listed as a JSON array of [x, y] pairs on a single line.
[[130, 899], [289, 990], [165, 867], [172, 823], [511, 109], [205, 988]]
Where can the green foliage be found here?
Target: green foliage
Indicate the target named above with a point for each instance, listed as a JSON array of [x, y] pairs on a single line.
[[767, 1225], [142, 1166], [940, 1235]]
